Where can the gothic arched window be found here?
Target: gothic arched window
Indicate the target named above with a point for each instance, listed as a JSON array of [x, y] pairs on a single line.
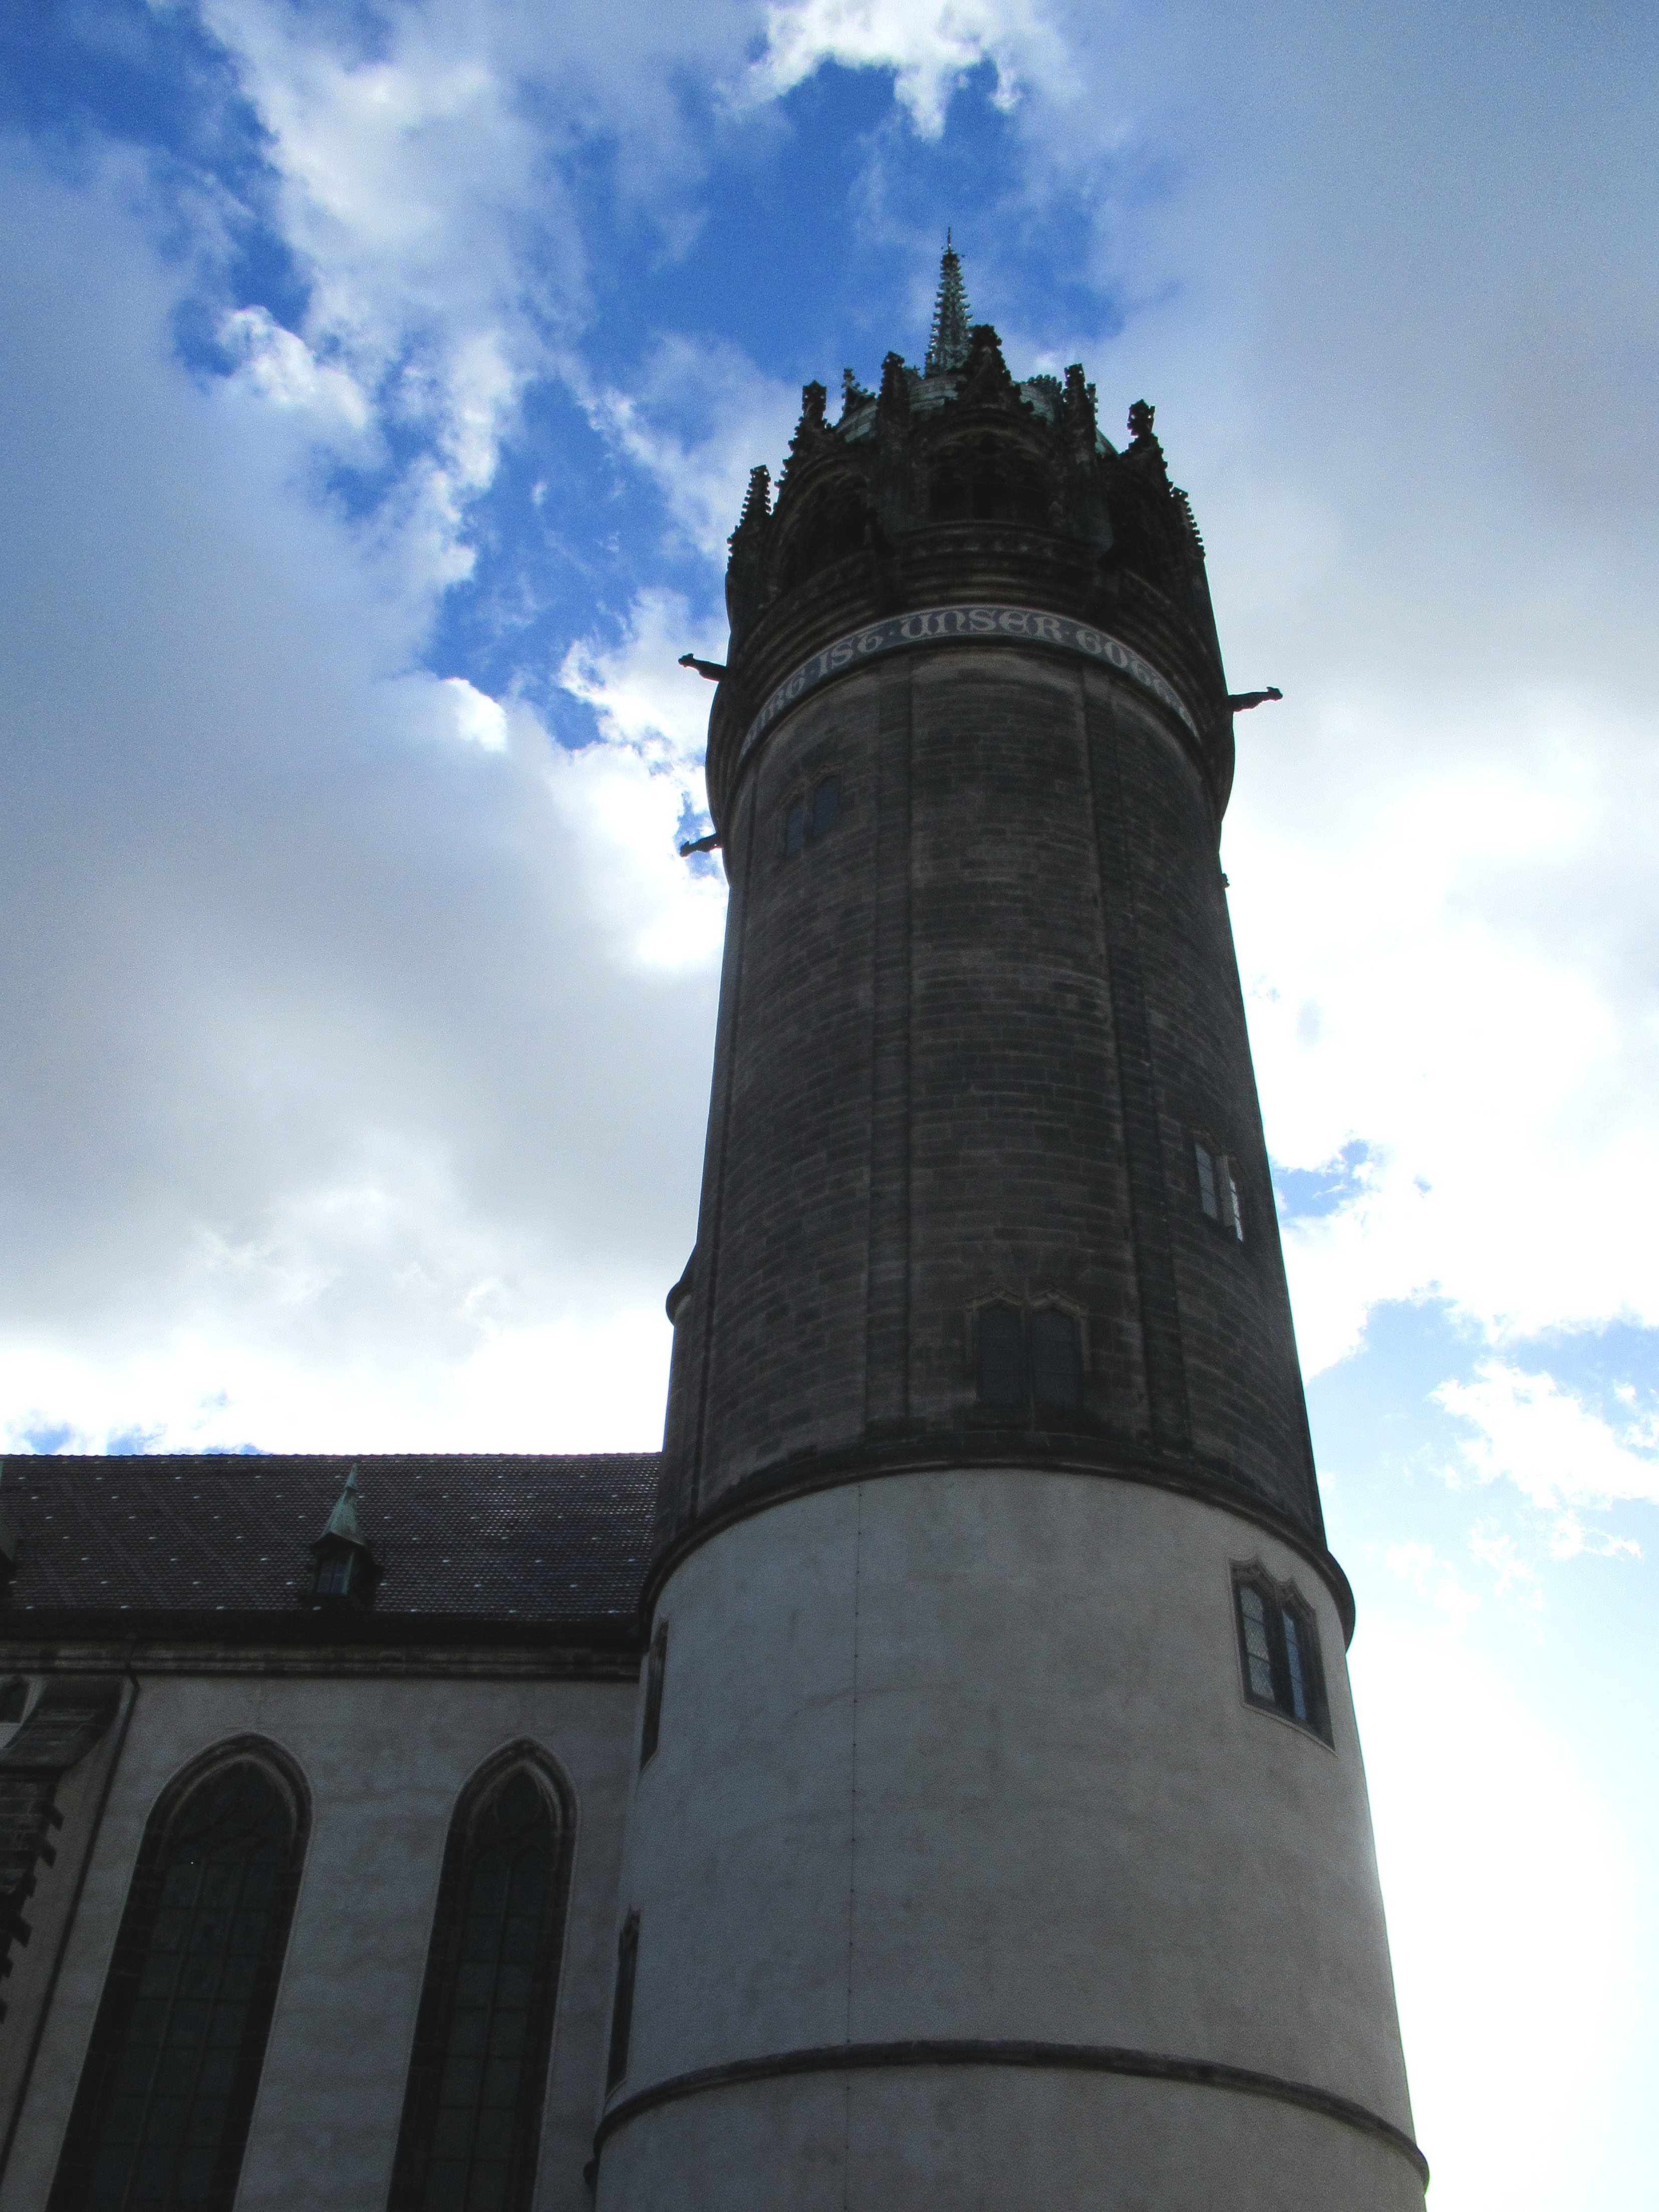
[[1028, 1360], [473, 2108], [1279, 1648], [160, 2118], [830, 525], [987, 480]]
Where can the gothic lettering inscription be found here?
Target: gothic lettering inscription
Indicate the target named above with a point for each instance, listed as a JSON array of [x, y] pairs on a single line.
[[963, 624]]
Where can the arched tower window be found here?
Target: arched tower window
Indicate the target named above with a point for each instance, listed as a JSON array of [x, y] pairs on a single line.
[[1028, 1360], [473, 2108], [831, 524], [160, 2118], [987, 479]]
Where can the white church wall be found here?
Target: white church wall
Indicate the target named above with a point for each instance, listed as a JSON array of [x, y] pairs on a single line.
[[385, 1760]]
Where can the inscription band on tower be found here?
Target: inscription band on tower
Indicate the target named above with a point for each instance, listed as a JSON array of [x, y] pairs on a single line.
[[989, 625]]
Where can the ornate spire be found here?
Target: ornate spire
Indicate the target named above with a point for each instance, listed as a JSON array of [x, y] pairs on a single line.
[[947, 346]]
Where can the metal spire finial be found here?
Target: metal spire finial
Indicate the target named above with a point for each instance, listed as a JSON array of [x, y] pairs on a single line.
[[947, 345], [342, 1521]]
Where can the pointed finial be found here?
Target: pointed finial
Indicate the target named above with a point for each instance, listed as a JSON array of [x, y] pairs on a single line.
[[947, 346], [756, 502], [342, 1521], [853, 393]]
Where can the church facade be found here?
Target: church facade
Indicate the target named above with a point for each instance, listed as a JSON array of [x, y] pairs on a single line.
[[931, 1782]]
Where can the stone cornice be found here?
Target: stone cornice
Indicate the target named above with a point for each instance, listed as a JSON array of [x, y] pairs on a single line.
[[72, 1656]]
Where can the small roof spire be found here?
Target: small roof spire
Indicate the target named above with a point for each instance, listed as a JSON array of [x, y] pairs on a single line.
[[947, 344], [342, 1521]]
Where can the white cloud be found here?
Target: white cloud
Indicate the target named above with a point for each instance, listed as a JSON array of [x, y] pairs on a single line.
[[930, 46], [641, 694], [282, 368], [1440, 916], [698, 419], [1559, 1453], [359, 1036], [479, 719]]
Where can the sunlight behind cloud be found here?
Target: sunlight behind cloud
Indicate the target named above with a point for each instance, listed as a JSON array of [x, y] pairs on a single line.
[[1485, 1833], [1404, 993]]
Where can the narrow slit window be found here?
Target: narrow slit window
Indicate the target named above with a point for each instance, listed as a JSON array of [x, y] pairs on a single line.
[[1208, 1196], [622, 2009], [1279, 1646], [1232, 1214], [1001, 1358], [1297, 1684], [826, 806], [795, 828], [1218, 1189], [1056, 1360], [655, 1666]]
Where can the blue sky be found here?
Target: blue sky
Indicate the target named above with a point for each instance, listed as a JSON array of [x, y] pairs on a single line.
[[381, 384]]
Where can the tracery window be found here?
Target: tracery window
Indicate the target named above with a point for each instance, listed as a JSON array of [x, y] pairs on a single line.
[[1028, 1360], [160, 2118], [472, 2109], [832, 525], [1278, 1651]]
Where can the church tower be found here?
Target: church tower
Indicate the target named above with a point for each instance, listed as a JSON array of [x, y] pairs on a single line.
[[999, 1842]]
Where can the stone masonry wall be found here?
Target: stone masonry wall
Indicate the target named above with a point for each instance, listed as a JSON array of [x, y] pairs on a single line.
[[966, 1040]]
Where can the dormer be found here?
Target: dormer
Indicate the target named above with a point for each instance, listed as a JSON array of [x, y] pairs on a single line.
[[344, 1569]]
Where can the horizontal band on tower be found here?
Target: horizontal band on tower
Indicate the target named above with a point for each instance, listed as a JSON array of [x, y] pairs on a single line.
[[960, 625], [1052, 2058]]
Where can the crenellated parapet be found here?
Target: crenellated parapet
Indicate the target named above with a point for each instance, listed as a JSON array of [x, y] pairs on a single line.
[[961, 479]]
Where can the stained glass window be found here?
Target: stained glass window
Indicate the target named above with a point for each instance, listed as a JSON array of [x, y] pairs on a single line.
[[1279, 1644], [473, 2112], [1258, 1652], [161, 2120]]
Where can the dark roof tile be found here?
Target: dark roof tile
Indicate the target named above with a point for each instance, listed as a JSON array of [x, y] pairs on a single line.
[[484, 1535]]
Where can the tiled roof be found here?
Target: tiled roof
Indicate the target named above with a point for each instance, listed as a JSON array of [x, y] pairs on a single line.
[[500, 1537]]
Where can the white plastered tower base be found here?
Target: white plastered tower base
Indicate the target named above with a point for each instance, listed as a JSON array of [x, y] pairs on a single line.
[[967, 1878]]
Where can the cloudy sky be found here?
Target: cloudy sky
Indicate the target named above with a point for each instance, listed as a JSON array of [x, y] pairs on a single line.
[[380, 384]]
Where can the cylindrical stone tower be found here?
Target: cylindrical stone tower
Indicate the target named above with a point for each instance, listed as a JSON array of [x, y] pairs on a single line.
[[1000, 1842]]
